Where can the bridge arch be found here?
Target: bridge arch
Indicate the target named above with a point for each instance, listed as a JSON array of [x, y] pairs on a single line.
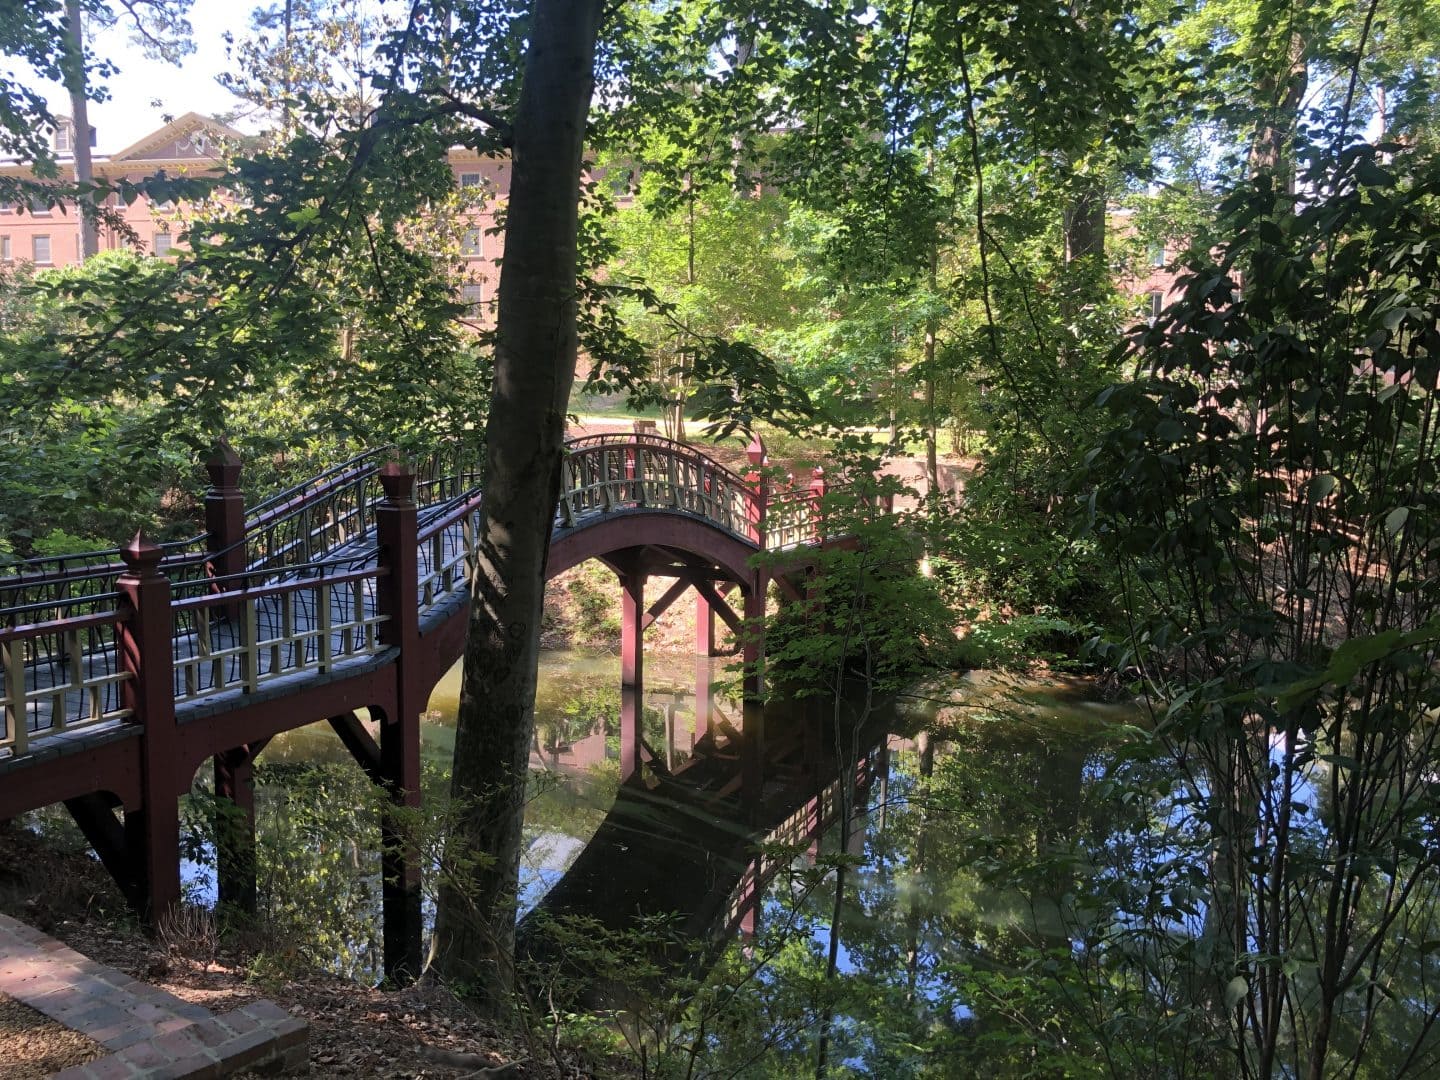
[[673, 533]]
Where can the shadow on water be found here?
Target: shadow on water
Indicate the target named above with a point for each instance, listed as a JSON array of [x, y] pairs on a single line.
[[686, 848]]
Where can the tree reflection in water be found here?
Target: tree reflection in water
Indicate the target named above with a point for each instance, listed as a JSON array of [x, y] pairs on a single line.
[[1023, 895]]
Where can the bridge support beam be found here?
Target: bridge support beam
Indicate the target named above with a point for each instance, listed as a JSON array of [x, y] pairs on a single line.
[[752, 767], [752, 892], [235, 863], [632, 670], [396, 530], [704, 650]]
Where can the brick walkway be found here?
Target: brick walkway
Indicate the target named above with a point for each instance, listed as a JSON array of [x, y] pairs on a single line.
[[148, 1032]]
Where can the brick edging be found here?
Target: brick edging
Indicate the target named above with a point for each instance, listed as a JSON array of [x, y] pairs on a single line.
[[150, 1033]]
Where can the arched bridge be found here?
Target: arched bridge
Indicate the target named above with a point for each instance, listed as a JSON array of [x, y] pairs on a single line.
[[122, 671]]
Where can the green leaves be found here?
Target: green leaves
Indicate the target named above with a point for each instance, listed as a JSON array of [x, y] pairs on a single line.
[[1236, 990], [1319, 488]]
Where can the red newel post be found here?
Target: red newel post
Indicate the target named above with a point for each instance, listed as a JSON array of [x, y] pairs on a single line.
[[634, 471], [818, 490], [397, 597], [225, 512], [396, 528], [146, 648], [760, 483]]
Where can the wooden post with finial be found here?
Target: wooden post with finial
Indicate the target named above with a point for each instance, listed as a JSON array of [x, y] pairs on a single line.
[[397, 598], [146, 649]]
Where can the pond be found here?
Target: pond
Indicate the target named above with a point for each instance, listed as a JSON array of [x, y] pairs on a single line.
[[1018, 886], [963, 776]]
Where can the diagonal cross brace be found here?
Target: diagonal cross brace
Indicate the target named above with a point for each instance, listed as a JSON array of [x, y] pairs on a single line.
[[718, 604], [662, 605], [361, 745]]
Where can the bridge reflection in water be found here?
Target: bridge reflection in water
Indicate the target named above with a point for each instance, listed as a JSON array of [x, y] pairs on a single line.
[[696, 847]]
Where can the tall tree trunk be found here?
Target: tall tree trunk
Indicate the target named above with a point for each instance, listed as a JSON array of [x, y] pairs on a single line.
[[932, 331], [73, 66], [534, 369], [1085, 219], [1281, 92]]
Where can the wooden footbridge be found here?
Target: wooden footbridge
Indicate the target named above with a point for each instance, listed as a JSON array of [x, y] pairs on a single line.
[[122, 672]]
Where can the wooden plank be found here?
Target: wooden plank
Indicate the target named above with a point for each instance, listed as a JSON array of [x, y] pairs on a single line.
[[12, 657]]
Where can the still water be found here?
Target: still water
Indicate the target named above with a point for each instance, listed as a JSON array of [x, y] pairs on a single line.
[[1018, 884], [971, 757], [872, 927]]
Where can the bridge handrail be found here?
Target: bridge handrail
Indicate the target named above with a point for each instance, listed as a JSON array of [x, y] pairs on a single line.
[[246, 591], [620, 439], [603, 473], [95, 563], [442, 468], [465, 504], [26, 631], [320, 480]]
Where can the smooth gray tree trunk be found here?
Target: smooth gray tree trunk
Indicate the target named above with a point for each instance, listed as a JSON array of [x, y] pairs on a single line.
[[74, 71]]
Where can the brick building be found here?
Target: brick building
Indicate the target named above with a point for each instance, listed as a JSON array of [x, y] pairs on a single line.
[[195, 145], [191, 145]]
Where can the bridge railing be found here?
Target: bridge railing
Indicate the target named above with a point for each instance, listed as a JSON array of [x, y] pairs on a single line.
[[605, 473], [791, 517], [75, 583], [323, 516], [446, 547], [317, 523], [60, 671], [306, 618], [805, 826], [812, 512]]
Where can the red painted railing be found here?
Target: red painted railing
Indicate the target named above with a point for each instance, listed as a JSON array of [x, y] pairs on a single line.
[[299, 584]]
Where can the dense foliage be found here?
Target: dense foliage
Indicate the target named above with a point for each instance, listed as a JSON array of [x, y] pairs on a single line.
[[885, 224]]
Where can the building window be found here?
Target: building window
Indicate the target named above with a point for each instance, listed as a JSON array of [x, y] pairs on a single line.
[[163, 244], [472, 294], [7, 207], [469, 179], [1154, 303], [62, 139], [41, 250], [1157, 256], [39, 206], [470, 244], [5, 255]]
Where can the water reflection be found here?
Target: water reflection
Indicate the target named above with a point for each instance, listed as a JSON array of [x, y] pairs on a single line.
[[957, 783]]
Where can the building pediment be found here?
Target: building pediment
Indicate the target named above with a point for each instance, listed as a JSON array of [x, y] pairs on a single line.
[[191, 137]]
